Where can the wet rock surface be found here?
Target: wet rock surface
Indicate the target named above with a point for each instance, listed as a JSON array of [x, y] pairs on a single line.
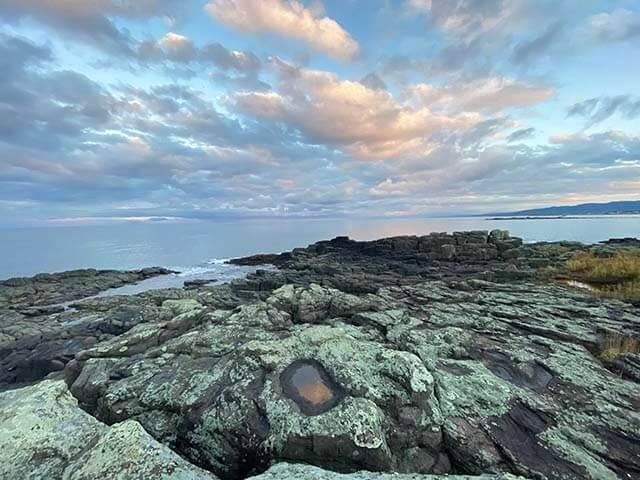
[[52, 288], [444, 354]]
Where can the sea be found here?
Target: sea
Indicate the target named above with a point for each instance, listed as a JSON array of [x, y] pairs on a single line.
[[199, 249]]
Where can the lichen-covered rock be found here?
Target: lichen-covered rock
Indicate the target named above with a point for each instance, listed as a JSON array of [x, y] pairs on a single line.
[[44, 435], [427, 377], [422, 355], [289, 471], [222, 395]]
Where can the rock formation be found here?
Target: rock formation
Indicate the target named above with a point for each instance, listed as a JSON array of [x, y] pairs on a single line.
[[443, 354]]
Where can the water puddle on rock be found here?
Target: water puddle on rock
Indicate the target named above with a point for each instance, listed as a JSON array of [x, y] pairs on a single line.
[[309, 385]]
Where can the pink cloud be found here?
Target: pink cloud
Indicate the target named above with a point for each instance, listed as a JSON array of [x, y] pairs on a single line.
[[370, 124], [288, 18], [493, 94]]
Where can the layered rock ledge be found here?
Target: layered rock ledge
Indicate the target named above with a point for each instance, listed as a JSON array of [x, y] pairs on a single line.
[[423, 356], [37, 334]]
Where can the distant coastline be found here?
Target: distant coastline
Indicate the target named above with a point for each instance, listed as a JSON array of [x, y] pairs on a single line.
[[630, 207], [565, 217]]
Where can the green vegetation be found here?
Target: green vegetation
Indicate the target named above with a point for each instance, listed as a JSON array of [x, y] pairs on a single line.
[[616, 344], [616, 276]]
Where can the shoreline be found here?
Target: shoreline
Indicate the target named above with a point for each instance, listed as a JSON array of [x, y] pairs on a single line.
[[564, 217], [126, 247]]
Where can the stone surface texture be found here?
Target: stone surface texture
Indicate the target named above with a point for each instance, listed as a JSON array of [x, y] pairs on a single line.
[[44, 435], [448, 354]]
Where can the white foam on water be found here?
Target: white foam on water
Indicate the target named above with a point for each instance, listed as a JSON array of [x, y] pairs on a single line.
[[194, 271], [218, 261], [216, 269]]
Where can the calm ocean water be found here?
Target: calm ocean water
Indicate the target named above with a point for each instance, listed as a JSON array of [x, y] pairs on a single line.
[[198, 248]]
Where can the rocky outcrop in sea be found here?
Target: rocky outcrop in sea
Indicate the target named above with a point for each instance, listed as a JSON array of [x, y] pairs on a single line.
[[407, 357]]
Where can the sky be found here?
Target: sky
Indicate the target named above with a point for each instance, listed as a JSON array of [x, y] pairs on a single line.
[[231, 109]]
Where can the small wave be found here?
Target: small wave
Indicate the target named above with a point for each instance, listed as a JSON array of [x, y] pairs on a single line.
[[195, 271], [218, 261]]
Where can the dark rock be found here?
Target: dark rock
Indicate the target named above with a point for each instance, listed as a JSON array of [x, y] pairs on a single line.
[[46, 289], [477, 237], [511, 243], [38, 338], [263, 259], [191, 284], [624, 242], [519, 435], [498, 236], [444, 252], [514, 253], [41, 311], [628, 366]]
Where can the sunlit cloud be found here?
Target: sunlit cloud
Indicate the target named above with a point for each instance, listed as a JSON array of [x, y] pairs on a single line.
[[289, 18], [367, 123], [493, 93]]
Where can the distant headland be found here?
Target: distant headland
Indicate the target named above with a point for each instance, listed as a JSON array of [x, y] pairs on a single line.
[[585, 209]]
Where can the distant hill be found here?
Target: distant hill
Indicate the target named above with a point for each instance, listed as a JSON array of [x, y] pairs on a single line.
[[611, 208]]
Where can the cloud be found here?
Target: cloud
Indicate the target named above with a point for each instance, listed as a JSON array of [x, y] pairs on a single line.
[[69, 145], [374, 82], [491, 94], [93, 22], [481, 38], [521, 134], [571, 166], [475, 38], [179, 49], [525, 51], [17, 54], [603, 150], [621, 25], [172, 46], [240, 61], [89, 20], [41, 108], [178, 56], [418, 5], [599, 109], [367, 123], [288, 18], [158, 140], [467, 18]]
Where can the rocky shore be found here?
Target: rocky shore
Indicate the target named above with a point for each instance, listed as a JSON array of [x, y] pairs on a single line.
[[405, 358]]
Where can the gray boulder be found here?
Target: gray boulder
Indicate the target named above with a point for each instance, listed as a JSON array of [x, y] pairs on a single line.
[[44, 435]]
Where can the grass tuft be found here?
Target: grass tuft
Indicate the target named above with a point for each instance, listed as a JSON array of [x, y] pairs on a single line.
[[617, 276], [616, 344]]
